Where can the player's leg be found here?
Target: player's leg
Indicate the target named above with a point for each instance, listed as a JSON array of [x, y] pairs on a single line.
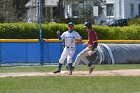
[[82, 56], [85, 60], [69, 59], [61, 60]]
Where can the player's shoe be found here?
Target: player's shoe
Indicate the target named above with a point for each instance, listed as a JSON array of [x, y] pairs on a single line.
[[73, 68], [91, 68], [70, 72], [57, 71]]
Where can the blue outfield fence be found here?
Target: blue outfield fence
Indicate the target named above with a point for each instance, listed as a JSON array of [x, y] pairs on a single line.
[[29, 50], [19, 52]]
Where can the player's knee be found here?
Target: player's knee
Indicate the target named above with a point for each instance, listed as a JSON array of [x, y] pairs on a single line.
[[61, 61], [69, 61], [80, 55]]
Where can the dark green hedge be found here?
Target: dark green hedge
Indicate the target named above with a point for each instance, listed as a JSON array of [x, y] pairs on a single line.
[[18, 31], [31, 31]]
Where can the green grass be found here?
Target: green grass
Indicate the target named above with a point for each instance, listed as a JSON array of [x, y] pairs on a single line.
[[70, 85], [81, 67], [63, 84]]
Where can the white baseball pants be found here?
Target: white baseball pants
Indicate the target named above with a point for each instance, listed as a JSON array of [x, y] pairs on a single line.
[[82, 56], [67, 53]]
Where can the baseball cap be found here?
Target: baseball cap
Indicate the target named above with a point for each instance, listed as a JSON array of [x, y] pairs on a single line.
[[70, 23], [88, 24]]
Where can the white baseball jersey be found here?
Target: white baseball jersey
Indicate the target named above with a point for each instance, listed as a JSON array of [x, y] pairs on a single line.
[[69, 38], [69, 49]]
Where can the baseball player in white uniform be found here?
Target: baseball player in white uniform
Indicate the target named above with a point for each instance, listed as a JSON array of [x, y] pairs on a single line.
[[69, 37]]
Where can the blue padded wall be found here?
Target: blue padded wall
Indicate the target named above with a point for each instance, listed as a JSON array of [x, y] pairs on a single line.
[[29, 52]]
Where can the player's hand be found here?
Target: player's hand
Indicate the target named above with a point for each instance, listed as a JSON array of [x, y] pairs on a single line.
[[78, 41], [58, 32]]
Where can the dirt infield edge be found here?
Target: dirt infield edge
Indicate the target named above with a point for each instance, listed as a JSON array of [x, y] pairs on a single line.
[[128, 72]]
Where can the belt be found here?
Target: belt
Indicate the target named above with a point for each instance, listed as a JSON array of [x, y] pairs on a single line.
[[70, 47]]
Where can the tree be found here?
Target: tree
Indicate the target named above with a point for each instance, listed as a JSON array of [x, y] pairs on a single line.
[[20, 8], [44, 11], [61, 9]]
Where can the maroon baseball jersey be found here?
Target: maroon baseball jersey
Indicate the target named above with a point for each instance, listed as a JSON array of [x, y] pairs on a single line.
[[92, 38]]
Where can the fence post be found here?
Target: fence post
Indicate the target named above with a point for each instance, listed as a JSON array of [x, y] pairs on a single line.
[[40, 30]]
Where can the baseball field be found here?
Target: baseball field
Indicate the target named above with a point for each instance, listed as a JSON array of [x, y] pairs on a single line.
[[123, 78]]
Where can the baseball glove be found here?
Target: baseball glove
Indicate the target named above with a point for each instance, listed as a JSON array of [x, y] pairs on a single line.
[[78, 41]]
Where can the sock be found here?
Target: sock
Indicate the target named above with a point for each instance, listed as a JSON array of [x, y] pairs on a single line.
[[70, 66], [59, 66], [90, 64]]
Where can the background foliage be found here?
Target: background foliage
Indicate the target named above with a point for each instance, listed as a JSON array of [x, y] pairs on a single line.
[[134, 21], [31, 31]]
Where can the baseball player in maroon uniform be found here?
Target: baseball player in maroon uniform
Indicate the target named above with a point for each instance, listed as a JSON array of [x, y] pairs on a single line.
[[91, 48]]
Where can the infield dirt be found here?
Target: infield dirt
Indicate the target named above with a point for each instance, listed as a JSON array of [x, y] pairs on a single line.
[[128, 72]]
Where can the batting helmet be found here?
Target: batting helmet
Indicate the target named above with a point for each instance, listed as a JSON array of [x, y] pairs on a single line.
[[88, 24]]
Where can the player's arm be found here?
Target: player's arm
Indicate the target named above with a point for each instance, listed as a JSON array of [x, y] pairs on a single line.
[[78, 39], [92, 44], [90, 40], [93, 41], [58, 35]]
